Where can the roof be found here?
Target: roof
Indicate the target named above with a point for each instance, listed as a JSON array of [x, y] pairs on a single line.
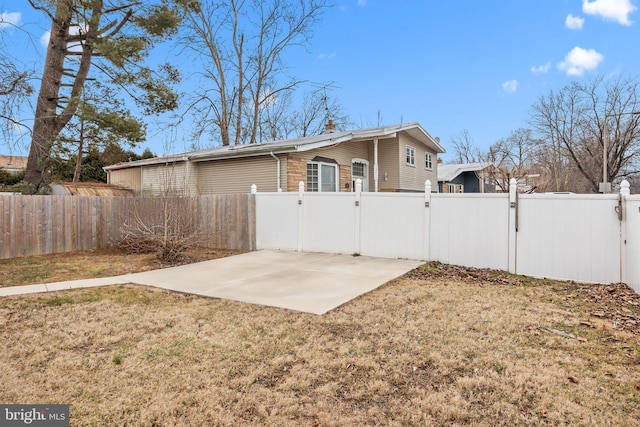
[[90, 189], [293, 145], [451, 171], [13, 162]]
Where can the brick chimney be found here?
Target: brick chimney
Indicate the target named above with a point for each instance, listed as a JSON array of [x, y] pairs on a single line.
[[330, 127]]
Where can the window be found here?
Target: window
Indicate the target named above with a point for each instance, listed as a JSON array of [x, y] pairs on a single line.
[[452, 188], [411, 155], [428, 161], [322, 177], [359, 170]]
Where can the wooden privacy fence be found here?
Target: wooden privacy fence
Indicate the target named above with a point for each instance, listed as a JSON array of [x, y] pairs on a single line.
[[38, 225]]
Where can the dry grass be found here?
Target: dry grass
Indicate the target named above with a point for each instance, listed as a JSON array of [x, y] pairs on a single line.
[[414, 352], [86, 265]]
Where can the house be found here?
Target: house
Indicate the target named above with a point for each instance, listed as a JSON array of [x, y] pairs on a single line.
[[397, 158], [463, 178], [13, 164]]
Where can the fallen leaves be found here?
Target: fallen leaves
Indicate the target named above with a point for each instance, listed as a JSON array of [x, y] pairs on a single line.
[[615, 303], [573, 380]]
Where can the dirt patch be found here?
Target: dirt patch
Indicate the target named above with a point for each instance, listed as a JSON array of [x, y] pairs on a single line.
[[434, 351], [93, 264]]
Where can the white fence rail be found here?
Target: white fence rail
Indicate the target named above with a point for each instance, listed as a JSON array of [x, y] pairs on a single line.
[[586, 238]]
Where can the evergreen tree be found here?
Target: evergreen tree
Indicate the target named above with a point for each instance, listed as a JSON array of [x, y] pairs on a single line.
[[112, 38]]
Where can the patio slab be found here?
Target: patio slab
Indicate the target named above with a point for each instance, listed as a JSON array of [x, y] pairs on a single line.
[[302, 281]]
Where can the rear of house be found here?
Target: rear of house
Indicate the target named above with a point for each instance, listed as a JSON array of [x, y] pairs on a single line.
[[394, 158]]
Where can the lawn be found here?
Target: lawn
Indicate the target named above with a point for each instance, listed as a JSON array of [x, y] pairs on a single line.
[[88, 265], [439, 346]]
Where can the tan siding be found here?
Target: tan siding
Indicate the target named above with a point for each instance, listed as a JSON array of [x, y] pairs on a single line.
[[237, 175], [388, 162], [165, 180], [192, 179], [413, 178], [128, 178], [344, 154]]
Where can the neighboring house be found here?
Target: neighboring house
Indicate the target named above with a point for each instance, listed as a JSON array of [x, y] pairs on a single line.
[[463, 178], [13, 164], [396, 158]]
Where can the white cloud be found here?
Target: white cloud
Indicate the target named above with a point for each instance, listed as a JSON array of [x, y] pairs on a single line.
[[327, 55], [610, 10], [44, 39], [580, 60], [574, 22], [10, 19], [542, 69], [362, 3], [510, 86]]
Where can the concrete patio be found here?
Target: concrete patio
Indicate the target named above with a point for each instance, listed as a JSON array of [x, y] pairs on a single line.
[[308, 282]]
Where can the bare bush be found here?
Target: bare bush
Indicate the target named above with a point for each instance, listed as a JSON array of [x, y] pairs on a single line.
[[164, 225]]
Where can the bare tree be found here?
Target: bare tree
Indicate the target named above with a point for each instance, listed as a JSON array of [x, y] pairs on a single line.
[[464, 149], [575, 122], [515, 157], [241, 44], [317, 109], [15, 86]]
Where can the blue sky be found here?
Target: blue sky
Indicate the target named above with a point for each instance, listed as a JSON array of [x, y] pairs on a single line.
[[450, 65]]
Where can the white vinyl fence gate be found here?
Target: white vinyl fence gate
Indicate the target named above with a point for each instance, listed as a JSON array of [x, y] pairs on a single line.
[[586, 238]]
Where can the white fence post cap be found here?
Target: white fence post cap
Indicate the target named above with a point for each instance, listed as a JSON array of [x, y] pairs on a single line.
[[254, 189], [427, 186], [625, 188]]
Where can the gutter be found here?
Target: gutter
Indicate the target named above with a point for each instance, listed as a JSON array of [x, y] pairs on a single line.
[[278, 171], [266, 149]]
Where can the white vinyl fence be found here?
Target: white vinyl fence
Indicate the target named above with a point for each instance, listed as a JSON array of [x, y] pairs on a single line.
[[586, 238]]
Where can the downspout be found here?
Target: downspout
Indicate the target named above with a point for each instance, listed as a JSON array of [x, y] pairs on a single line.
[[375, 163], [278, 171]]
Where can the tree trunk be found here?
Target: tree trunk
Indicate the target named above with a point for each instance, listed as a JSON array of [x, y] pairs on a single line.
[[48, 122], [46, 108]]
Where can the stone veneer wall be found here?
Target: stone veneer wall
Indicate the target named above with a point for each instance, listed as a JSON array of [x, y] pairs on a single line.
[[345, 178], [297, 171]]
